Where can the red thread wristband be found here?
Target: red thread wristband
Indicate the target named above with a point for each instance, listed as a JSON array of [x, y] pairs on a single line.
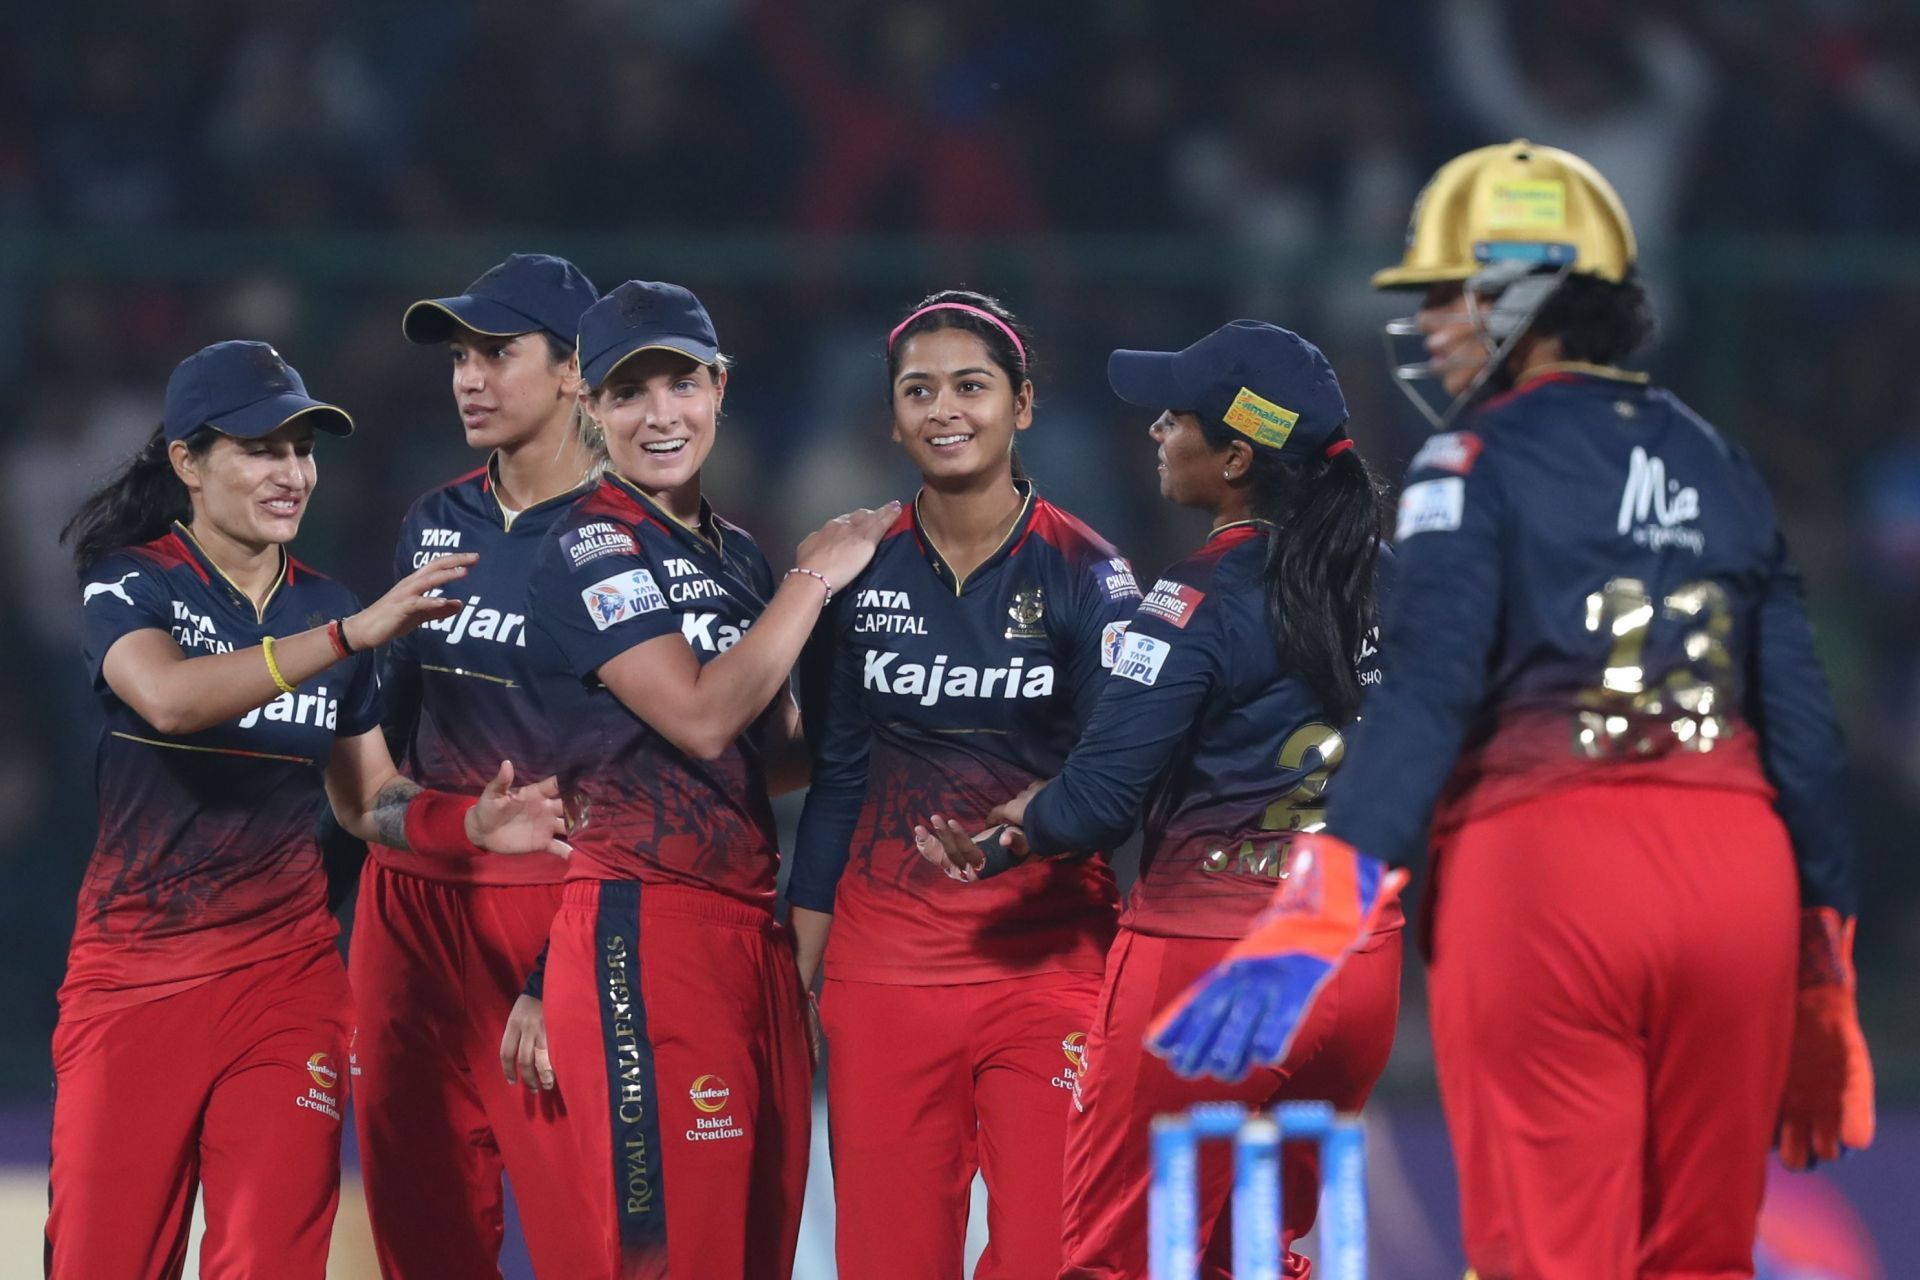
[[338, 636], [436, 825]]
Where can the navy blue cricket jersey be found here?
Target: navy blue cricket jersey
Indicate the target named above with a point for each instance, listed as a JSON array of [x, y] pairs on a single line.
[[616, 571], [928, 695], [460, 691], [207, 858], [1201, 729], [1593, 589]]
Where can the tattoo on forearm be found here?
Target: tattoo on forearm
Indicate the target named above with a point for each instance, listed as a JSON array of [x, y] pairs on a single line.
[[389, 812]]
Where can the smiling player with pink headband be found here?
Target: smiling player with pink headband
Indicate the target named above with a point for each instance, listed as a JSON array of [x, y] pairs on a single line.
[[957, 669]]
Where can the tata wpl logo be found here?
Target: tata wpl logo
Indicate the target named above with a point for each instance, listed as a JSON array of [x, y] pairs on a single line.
[[1655, 510]]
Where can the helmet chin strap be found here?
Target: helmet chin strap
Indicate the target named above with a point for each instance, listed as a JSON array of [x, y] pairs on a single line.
[[1517, 293]]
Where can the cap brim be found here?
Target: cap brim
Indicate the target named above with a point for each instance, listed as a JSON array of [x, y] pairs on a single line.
[[263, 417], [603, 365], [436, 320], [1146, 379]]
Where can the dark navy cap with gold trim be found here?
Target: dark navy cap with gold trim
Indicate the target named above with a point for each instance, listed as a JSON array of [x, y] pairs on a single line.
[[244, 389], [1267, 384], [644, 315], [527, 292]]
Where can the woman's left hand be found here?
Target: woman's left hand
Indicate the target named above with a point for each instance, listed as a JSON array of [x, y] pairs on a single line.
[[948, 846], [510, 819]]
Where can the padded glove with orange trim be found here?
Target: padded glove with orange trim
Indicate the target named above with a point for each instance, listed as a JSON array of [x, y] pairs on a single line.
[[1247, 1008], [1828, 1108]]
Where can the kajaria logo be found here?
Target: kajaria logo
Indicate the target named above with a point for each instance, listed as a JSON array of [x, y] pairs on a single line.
[[325, 1074], [709, 1093], [929, 685]]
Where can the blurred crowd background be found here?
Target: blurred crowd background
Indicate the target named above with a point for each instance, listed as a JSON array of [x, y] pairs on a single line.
[[1120, 172]]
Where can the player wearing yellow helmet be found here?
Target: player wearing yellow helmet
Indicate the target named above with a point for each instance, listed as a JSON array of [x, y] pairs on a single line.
[[1606, 718]]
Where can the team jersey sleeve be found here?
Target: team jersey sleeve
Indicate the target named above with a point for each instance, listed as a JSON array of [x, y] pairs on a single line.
[[1162, 671], [120, 594], [838, 736], [400, 667], [364, 705], [597, 610], [1104, 598], [1440, 627], [1790, 706]]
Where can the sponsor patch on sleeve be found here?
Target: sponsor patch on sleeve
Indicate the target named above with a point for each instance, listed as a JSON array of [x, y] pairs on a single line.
[[590, 542], [1172, 601], [1141, 658], [1116, 579], [1453, 451], [1432, 506], [626, 595], [1112, 638]]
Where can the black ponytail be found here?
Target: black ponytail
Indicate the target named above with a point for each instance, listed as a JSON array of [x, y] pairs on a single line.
[[1328, 520], [136, 505]]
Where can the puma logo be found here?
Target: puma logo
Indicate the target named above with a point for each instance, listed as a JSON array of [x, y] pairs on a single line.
[[108, 589]]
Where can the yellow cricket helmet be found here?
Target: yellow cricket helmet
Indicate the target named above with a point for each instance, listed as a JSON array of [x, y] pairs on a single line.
[[1513, 202]]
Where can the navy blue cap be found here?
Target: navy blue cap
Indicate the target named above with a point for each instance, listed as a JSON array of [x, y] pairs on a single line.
[[528, 291], [643, 315], [1268, 384], [243, 389]]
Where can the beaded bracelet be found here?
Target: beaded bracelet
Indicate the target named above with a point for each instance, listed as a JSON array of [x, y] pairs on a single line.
[[814, 573]]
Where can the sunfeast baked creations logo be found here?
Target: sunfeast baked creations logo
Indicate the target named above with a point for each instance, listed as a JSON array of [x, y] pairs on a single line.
[[711, 1096]]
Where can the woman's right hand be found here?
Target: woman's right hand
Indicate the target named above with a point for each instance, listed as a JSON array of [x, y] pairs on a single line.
[[407, 604], [844, 544]]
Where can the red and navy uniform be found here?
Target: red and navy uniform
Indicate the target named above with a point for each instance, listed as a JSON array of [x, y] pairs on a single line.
[[203, 953], [1605, 694], [673, 1006], [1225, 752], [956, 1012], [441, 947]]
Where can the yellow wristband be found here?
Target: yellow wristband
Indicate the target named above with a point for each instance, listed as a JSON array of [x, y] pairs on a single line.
[[273, 668]]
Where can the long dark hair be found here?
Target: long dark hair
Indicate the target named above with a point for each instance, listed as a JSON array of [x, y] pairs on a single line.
[[1015, 362], [1328, 520], [137, 504]]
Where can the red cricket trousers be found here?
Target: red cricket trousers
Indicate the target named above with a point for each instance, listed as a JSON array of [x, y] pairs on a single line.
[[926, 1085], [1337, 1056], [235, 1086], [679, 1039], [436, 968], [1612, 993]]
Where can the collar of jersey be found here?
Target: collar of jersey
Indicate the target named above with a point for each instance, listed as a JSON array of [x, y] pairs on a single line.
[[1560, 369], [1241, 530], [715, 543], [1008, 545], [490, 485], [240, 598]]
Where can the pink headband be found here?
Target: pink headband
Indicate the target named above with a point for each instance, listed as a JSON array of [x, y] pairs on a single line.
[[988, 316], [1338, 447]]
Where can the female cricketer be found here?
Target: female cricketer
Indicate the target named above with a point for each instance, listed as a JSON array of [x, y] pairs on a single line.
[[441, 948], [960, 667], [1228, 747], [673, 1008], [1606, 705], [204, 1018]]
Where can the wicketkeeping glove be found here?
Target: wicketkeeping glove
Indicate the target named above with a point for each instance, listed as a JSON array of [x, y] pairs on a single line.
[[1247, 1008], [1828, 1106]]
